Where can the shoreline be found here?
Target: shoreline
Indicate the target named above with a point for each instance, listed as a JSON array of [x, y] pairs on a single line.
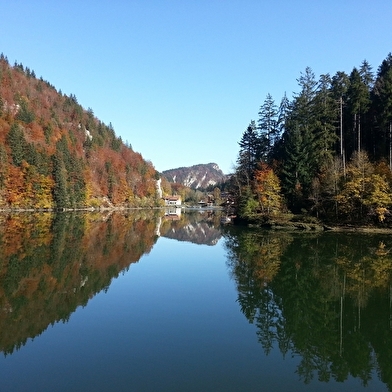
[[303, 226]]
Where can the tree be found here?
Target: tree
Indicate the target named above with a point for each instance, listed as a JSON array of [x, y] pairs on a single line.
[[267, 188], [382, 102], [351, 199], [339, 86], [60, 193], [294, 173], [249, 154], [325, 113], [283, 113], [378, 197], [217, 196], [268, 127], [24, 114], [17, 143], [247, 204], [299, 152], [330, 186], [282, 120], [358, 96], [3, 166]]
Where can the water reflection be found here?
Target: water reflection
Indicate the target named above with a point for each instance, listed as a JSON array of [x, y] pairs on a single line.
[[326, 298], [51, 264], [198, 227]]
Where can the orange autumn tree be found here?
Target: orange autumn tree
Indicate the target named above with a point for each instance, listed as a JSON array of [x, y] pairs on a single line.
[[268, 191]]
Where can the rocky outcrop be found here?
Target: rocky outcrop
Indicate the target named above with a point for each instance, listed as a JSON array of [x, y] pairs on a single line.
[[196, 177]]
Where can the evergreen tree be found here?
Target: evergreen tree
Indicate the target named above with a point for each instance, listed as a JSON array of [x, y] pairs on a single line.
[[17, 143], [249, 155], [3, 166], [277, 153], [24, 114], [283, 113], [367, 123], [294, 173], [268, 127], [60, 194], [339, 86], [300, 155], [358, 96], [324, 132], [382, 103]]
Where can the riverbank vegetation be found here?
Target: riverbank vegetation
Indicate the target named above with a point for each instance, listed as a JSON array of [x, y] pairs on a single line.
[[326, 154]]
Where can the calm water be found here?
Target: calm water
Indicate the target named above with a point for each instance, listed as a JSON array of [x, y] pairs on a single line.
[[145, 302]]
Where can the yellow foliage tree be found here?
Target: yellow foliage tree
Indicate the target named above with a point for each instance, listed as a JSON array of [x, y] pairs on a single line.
[[379, 196], [364, 188], [267, 189]]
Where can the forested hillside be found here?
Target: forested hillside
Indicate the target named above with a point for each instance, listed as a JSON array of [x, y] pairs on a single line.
[[327, 152], [56, 154]]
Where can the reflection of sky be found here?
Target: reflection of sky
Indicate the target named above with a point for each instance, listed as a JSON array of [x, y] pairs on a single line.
[[170, 323]]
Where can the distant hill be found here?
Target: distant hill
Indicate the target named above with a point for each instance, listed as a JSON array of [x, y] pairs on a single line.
[[56, 154], [196, 177]]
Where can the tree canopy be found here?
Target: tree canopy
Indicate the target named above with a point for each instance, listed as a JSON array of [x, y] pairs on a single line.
[[314, 142]]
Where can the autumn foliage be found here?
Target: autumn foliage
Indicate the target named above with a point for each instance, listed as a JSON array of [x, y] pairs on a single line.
[[56, 154]]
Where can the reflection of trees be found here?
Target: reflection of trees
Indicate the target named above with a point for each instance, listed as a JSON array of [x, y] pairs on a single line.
[[254, 259], [324, 297], [51, 264]]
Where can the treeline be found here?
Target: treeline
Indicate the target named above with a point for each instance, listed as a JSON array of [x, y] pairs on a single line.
[[56, 154], [326, 152]]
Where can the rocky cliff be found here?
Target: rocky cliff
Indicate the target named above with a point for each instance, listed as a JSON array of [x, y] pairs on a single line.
[[196, 177]]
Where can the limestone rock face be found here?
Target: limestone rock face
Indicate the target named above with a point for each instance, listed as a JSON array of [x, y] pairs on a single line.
[[196, 177]]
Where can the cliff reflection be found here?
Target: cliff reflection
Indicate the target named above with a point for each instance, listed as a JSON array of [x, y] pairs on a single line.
[[326, 298], [199, 227], [51, 264]]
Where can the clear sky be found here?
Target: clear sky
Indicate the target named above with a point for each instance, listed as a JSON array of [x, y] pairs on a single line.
[[180, 80]]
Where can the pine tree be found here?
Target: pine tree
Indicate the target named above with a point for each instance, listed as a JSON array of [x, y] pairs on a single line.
[[283, 114], [382, 103], [339, 86], [268, 127], [3, 166], [17, 143], [24, 114], [358, 96], [325, 113], [277, 153], [294, 173], [249, 154], [60, 194], [300, 155]]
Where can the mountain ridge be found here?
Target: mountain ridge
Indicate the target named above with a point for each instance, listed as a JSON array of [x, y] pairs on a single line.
[[199, 176]]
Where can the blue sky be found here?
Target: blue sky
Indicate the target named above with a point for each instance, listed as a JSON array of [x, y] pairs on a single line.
[[181, 80]]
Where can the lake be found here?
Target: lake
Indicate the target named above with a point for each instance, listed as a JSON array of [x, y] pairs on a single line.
[[143, 301]]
